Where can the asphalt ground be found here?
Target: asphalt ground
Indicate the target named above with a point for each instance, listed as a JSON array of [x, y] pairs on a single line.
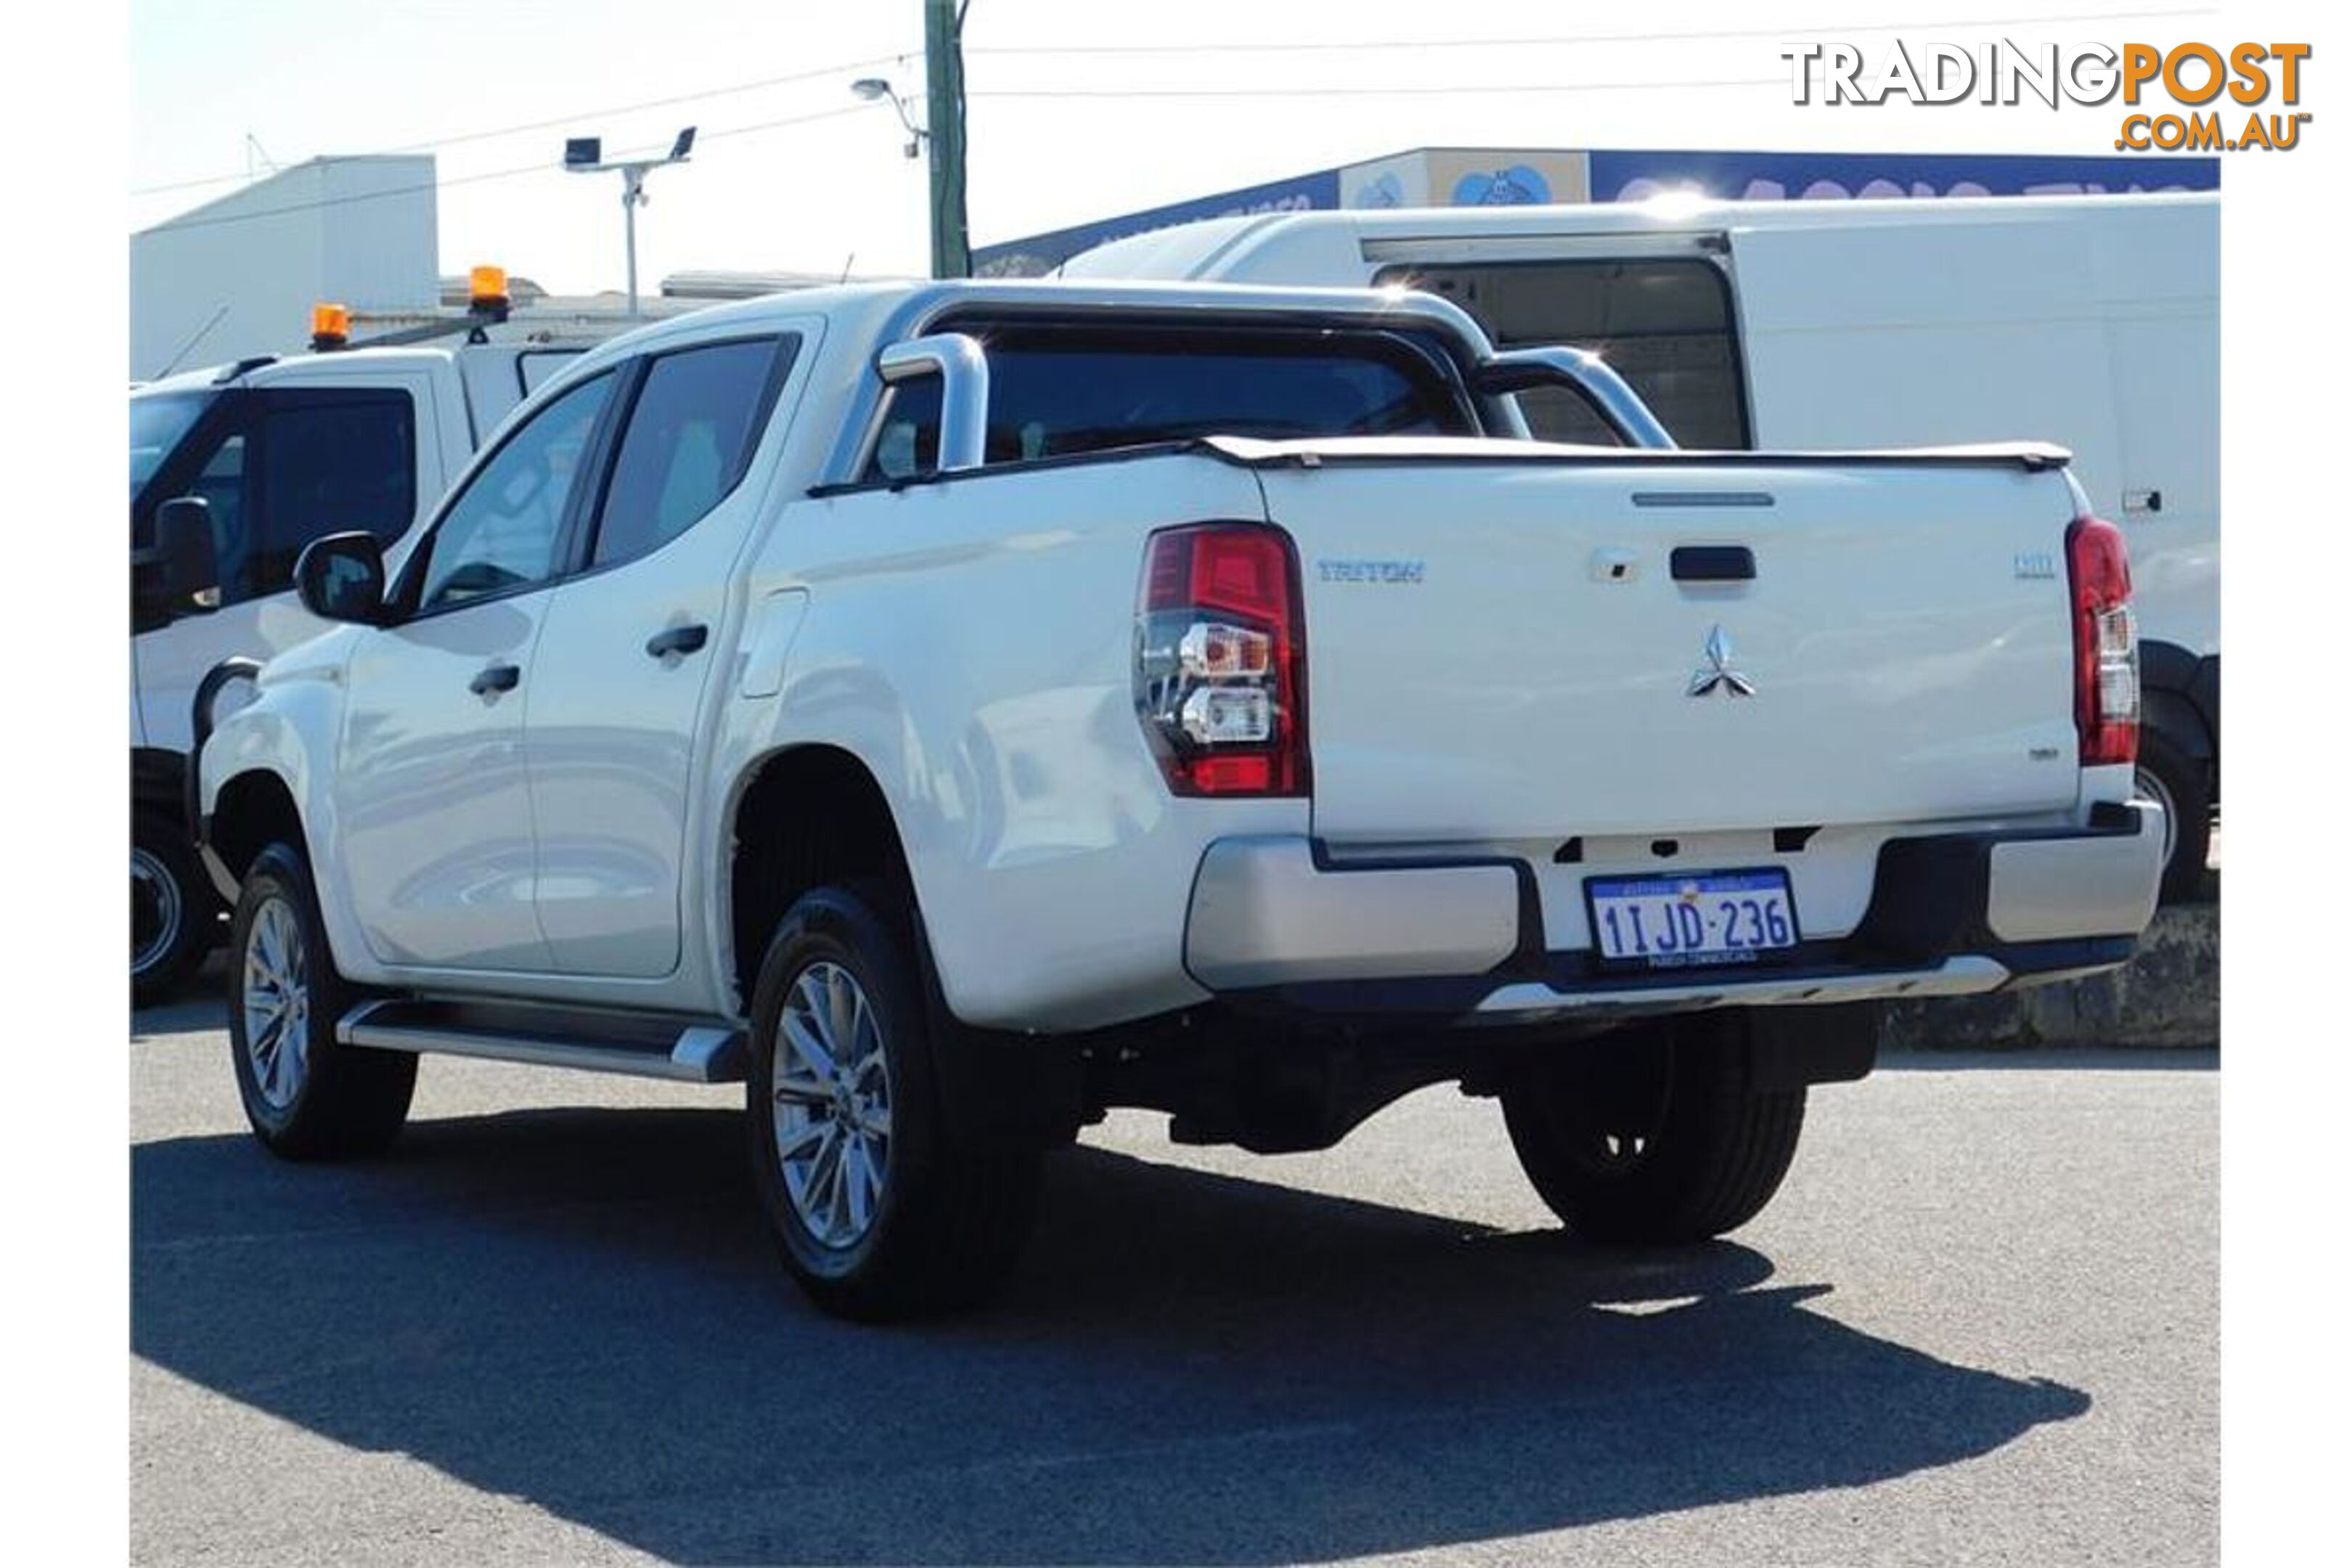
[[1979, 1325]]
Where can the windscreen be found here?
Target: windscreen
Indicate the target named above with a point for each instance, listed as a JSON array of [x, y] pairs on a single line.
[[1057, 392], [158, 420]]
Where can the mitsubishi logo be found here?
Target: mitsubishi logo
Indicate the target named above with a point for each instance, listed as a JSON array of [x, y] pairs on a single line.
[[1718, 671]]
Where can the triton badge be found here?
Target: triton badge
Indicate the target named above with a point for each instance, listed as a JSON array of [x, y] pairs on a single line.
[[1718, 671], [1406, 573]]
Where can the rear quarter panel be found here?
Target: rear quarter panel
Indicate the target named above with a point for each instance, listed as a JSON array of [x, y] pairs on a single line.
[[971, 642]]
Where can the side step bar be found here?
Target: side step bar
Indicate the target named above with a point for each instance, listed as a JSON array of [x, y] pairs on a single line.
[[639, 1044]]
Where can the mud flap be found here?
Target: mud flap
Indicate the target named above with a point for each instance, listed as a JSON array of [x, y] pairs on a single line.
[[1789, 1048]]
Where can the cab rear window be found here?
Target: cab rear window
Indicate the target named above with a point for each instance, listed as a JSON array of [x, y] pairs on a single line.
[[1055, 392]]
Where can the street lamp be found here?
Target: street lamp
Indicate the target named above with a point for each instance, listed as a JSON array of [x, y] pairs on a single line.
[[874, 89], [585, 155], [941, 132]]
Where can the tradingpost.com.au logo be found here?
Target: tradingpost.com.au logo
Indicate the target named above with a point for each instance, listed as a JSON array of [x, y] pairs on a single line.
[[2191, 76]]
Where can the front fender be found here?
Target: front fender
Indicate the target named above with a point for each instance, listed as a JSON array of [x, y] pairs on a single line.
[[289, 727], [290, 730]]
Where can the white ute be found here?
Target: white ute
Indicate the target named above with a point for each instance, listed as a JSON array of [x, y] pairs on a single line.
[[953, 710]]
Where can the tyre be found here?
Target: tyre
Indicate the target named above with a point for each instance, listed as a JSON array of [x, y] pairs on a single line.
[[1653, 1138], [879, 1209], [2181, 783], [173, 913], [306, 1097]]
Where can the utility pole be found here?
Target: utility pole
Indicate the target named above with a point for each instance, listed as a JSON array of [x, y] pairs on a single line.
[[943, 66]]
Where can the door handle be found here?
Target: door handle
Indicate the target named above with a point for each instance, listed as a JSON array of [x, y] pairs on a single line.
[[678, 639], [1712, 563], [497, 677]]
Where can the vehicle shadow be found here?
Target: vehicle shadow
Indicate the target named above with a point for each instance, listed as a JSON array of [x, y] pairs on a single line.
[[579, 1308], [2054, 1059], [197, 1006]]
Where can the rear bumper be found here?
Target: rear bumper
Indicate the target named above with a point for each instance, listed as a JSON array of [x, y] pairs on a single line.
[[1274, 922]]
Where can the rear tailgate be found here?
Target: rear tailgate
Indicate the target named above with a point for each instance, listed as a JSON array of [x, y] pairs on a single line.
[[1498, 646]]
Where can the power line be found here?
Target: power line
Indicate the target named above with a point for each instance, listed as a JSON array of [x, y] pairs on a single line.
[[462, 137], [1045, 93], [1322, 46], [1418, 90], [1334, 45], [541, 167], [1458, 89]]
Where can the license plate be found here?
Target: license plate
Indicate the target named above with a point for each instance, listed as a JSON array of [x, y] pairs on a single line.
[[1708, 917]]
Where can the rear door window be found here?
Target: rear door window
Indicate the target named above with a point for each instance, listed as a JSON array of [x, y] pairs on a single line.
[[696, 418], [1663, 323]]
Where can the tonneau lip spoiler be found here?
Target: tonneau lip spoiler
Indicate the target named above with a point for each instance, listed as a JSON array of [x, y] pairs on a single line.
[[2033, 456]]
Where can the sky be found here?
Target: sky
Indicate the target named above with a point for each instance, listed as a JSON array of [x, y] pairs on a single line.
[[1077, 110]]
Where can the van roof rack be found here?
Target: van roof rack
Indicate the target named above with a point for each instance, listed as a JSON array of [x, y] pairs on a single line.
[[487, 304], [471, 326]]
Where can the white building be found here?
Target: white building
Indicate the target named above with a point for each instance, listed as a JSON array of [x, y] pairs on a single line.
[[238, 275]]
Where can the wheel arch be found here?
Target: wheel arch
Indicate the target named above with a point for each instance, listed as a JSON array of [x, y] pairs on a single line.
[[2176, 717], [251, 810], [2170, 672], [800, 816]]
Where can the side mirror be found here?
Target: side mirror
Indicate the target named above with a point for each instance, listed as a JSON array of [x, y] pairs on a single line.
[[340, 578], [185, 557]]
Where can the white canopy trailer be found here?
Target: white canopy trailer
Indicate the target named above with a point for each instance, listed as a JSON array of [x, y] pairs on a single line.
[[2091, 321]]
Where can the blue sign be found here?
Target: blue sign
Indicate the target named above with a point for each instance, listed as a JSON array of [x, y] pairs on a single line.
[[1516, 186], [1625, 176]]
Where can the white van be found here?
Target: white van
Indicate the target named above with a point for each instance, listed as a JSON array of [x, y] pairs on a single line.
[[2091, 321]]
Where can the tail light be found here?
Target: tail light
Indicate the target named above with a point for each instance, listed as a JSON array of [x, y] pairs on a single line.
[[2107, 643], [1220, 659]]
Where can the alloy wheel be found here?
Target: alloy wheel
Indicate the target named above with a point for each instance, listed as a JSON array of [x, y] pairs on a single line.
[[277, 1003], [831, 1105]]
